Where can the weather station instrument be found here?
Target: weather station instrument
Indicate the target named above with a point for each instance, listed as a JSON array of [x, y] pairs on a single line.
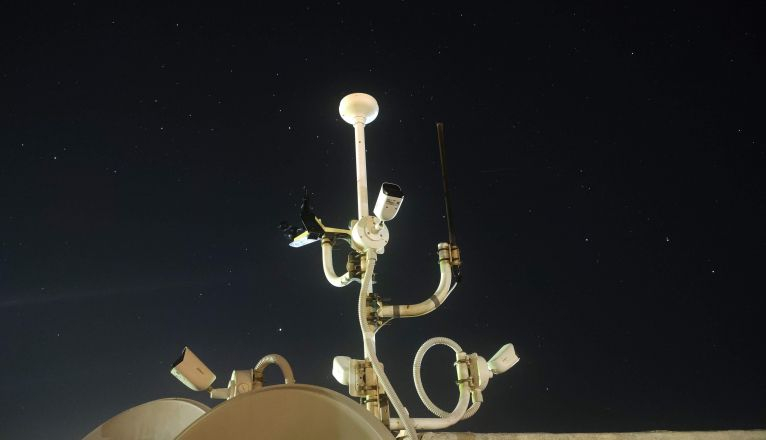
[[292, 410]]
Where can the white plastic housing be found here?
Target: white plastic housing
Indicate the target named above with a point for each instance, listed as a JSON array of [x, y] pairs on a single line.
[[241, 382], [220, 393], [192, 372], [389, 201], [340, 369], [485, 374], [503, 360], [358, 107], [368, 233]]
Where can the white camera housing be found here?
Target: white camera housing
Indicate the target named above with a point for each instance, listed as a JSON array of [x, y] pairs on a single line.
[[389, 201], [192, 372], [503, 360], [340, 369]]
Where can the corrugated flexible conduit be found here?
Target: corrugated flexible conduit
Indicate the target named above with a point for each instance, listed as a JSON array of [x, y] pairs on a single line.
[[369, 348], [419, 383]]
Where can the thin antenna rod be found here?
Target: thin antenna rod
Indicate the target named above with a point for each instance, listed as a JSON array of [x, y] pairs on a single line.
[[443, 160]]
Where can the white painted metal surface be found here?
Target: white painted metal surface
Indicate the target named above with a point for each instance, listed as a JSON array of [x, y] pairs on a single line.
[[294, 411], [359, 109], [651, 435], [160, 419]]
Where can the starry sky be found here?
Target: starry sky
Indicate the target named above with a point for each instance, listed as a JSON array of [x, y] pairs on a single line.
[[606, 164]]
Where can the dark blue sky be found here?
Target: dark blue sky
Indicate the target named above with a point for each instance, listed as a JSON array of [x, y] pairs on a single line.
[[606, 162]]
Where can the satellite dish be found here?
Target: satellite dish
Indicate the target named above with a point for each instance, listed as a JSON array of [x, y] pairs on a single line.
[[294, 411], [157, 420]]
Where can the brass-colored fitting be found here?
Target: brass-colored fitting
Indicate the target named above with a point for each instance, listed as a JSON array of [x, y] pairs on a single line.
[[461, 368], [443, 251], [455, 255], [354, 264]]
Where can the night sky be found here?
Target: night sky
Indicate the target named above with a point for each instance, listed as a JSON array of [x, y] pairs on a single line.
[[606, 163]]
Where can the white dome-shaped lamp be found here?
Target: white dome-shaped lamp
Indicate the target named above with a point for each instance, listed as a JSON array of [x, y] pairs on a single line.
[[359, 109]]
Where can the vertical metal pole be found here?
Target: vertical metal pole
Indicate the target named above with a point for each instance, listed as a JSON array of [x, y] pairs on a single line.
[[361, 169], [443, 160]]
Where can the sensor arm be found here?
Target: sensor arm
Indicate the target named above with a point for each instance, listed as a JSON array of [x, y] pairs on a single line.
[[434, 301], [329, 270]]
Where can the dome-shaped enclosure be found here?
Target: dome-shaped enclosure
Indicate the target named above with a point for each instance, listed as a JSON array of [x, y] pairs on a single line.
[[288, 412], [160, 419], [358, 105]]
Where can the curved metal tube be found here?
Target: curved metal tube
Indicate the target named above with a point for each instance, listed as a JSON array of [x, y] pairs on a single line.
[[329, 270], [273, 359], [427, 306]]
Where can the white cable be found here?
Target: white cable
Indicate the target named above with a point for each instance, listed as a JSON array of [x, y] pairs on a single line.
[[369, 348], [419, 383]]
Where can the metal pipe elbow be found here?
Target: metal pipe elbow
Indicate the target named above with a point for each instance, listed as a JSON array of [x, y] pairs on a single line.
[[273, 359], [329, 270], [427, 306]]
